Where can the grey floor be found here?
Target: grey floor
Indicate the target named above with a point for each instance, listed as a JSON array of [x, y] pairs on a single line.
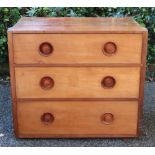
[[147, 139]]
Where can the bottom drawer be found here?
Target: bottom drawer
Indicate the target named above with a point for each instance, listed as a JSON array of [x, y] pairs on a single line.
[[77, 119]]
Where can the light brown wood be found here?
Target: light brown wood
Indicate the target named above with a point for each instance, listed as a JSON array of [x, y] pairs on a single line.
[[81, 65], [78, 53], [142, 80], [76, 25], [12, 81], [77, 48], [81, 82], [77, 118]]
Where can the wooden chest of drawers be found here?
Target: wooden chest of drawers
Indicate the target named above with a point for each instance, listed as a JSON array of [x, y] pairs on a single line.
[[77, 77]]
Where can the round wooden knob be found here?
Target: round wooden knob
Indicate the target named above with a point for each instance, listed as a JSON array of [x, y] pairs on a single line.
[[109, 49], [108, 82], [107, 118], [45, 49], [47, 118], [46, 83]]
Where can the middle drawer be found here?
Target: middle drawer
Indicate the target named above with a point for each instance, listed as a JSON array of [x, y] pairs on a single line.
[[77, 82]]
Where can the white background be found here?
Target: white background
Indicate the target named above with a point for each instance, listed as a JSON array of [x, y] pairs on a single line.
[[78, 3], [77, 150]]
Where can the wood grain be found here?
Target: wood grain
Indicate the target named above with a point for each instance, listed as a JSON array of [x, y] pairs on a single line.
[[142, 81], [77, 82], [77, 48], [76, 25], [74, 106], [12, 81], [77, 118]]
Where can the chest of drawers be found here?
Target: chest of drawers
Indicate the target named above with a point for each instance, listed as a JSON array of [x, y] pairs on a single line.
[[77, 77]]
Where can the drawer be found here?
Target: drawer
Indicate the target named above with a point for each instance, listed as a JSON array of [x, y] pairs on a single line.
[[77, 119], [77, 48], [77, 82]]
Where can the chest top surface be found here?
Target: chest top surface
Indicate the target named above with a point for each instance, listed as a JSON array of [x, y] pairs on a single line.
[[76, 25]]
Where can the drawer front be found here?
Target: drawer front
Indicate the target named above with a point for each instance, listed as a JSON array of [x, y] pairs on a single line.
[[77, 48], [77, 118], [77, 82]]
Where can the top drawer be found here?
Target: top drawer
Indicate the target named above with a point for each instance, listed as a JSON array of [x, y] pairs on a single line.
[[77, 48]]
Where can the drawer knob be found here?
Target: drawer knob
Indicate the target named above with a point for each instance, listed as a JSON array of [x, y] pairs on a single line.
[[47, 118], [108, 82], [107, 118], [45, 49], [109, 49], [46, 83]]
